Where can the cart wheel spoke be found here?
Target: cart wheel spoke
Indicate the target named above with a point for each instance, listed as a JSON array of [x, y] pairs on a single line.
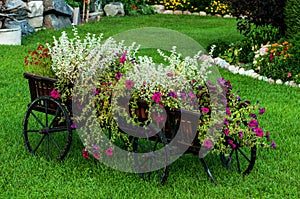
[[48, 111], [38, 145]]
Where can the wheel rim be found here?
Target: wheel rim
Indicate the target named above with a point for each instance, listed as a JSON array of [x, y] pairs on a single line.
[[47, 129], [149, 161], [240, 159]]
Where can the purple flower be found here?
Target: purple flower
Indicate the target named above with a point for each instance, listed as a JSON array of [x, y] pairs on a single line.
[[73, 126], [233, 146], [229, 141], [241, 134], [172, 94], [129, 84], [205, 110], [96, 155], [253, 115], [253, 123], [156, 97], [221, 81], [95, 148], [191, 95], [228, 112], [95, 91], [273, 145], [118, 75], [207, 143], [268, 136], [238, 98], [226, 122], [169, 74], [259, 132], [261, 111]]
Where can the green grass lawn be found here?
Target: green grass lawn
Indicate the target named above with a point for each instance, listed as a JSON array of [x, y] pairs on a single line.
[[276, 173]]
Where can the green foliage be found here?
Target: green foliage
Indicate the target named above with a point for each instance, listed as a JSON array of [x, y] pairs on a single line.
[[217, 48], [291, 17], [258, 12], [134, 7]]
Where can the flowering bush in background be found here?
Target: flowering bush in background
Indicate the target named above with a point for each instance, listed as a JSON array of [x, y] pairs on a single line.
[[276, 61]]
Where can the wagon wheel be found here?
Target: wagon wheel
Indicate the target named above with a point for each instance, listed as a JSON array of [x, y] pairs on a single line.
[[47, 129], [241, 159], [158, 167]]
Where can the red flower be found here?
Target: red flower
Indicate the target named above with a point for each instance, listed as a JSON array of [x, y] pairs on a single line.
[[55, 94], [85, 153]]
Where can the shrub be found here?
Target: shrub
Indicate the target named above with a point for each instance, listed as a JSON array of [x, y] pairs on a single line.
[[190, 5], [278, 61], [258, 12], [291, 17], [218, 7], [217, 48]]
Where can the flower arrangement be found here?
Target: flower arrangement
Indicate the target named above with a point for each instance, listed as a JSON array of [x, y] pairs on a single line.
[[276, 61], [119, 76], [39, 61]]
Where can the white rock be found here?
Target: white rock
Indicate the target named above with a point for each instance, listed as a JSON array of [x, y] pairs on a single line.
[[227, 16], [202, 13], [114, 9], [36, 22], [158, 9], [270, 80], [36, 8], [170, 12], [265, 79], [242, 71], [279, 81], [260, 77]]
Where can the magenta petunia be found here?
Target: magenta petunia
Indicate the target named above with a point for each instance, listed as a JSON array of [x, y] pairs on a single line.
[[123, 58], [207, 143], [205, 110], [95, 148], [253, 123], [156, 97], [118, 75], [273, 145], [96, 155], [226, 122], [95, 91], [259, 132], [109, 152], [233, 146], [129, 84], [229, 141], [261, 111], [241, 134], [228, 112], [191, 95], [172, 94], [226, 131], [73, 126], [55, 94]]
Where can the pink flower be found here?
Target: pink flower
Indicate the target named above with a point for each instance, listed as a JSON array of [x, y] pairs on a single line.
[[118, 75], [55, 94], [96, 155], [253, 123], [191, 95], [160, 118], [169, 74], [95, 91], [123, 58], [241, 134], [129, 84], [109, 152], [229, 141], [156, 97], [85, 153], [207, 143], [95, 148], [226, 131], [233, 146], [205, 110], [289, 75], [259, 132]]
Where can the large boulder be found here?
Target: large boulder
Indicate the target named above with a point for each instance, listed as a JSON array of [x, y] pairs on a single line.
[[58, 7], [35, 17], [114, 9], [52, 21]]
